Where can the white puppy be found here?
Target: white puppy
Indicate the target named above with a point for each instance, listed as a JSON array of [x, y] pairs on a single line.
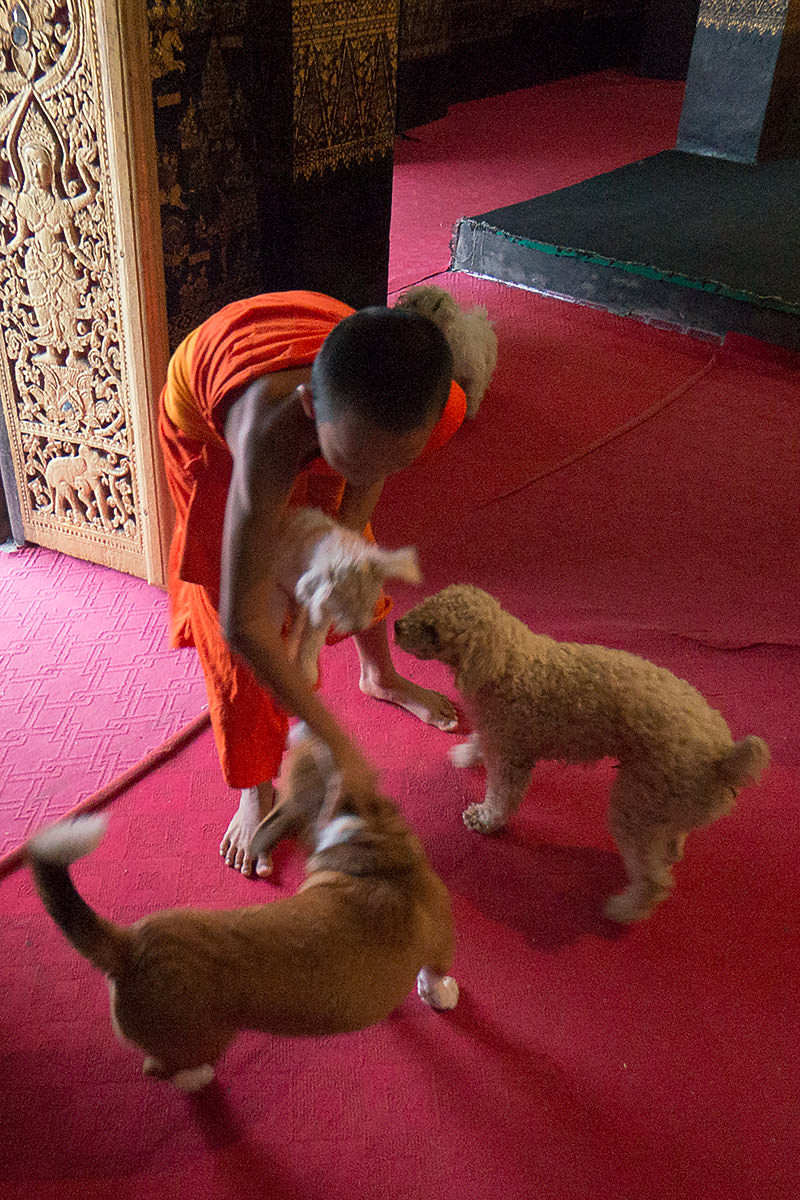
[[472, 338], [329, 576]]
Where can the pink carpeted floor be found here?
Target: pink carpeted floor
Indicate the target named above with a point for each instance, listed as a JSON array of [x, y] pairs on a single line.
[[89, 685], [621, 484]]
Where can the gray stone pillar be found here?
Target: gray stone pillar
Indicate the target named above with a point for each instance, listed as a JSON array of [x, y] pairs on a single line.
[[742, 98]]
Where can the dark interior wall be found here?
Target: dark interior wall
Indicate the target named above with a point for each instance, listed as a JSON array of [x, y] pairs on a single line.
[[5, 520], [217, 151], [274, 123], [667, 36], [274, 129], [10, 515], [456, 50]]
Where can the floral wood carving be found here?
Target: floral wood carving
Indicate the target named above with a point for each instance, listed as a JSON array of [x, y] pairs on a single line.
[[62, 359]]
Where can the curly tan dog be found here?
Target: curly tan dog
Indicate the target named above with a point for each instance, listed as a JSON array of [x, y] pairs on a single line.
[[338, 955], [530, 698]]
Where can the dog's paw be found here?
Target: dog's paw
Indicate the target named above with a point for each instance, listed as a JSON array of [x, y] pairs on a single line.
[[194, 1080], [626, 909], [481, 819], [439, 993], [465, 754]]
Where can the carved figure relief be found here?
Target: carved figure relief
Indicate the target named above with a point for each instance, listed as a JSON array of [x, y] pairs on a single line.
[[53, 263], [85, 486], [62, 358]]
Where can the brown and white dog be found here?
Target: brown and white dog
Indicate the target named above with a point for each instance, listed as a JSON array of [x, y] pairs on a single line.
[[333, 577], [370, 918], [530, 698]]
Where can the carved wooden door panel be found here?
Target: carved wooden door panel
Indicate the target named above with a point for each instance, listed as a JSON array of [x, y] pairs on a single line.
[[83, 334]]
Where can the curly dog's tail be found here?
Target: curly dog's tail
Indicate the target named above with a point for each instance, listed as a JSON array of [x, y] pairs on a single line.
[[745, 762], [50, 853]]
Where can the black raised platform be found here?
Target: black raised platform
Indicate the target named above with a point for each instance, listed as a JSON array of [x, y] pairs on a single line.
[[699, 242]]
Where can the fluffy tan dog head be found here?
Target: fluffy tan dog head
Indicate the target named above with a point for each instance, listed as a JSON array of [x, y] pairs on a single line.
[[470, 333], [456, 626], [344, 581], [431, 301]]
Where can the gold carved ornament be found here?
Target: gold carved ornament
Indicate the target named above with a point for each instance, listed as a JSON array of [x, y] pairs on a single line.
[[61, 359], [744, 16], [344, 69]]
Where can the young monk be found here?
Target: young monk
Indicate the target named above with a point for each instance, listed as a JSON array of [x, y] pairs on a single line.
[[283, 399]]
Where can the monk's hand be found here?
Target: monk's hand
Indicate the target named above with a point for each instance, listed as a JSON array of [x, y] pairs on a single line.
[[298, 631], [354, 782]]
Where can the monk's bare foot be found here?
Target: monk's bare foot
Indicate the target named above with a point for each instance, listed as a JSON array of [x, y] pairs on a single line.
[[431, 707], [254, 805]]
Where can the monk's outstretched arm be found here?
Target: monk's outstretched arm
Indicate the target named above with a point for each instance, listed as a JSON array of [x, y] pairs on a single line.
[[264, 443], [358, 505]]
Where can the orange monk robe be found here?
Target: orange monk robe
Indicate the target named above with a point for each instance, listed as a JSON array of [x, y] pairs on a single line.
[[274, 332]]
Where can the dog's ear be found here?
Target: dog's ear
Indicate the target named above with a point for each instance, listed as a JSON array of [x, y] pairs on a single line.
[[336, 802], [402, 564], [313, 591], [477, 659]]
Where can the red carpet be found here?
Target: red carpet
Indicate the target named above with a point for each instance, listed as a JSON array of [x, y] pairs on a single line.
[[100, 799], [566, 378], [686, 524], [657, 1062], [509, 148]]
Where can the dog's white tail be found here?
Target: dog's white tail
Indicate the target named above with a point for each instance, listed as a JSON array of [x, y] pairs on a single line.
[[50, 853], [745, 762], [69, 840]]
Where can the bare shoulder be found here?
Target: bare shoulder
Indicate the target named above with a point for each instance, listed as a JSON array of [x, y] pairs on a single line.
[[267, 429], [260, 409]]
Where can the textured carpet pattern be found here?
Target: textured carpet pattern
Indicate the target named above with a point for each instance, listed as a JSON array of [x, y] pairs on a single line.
[[657, 1062], [89, 685]]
